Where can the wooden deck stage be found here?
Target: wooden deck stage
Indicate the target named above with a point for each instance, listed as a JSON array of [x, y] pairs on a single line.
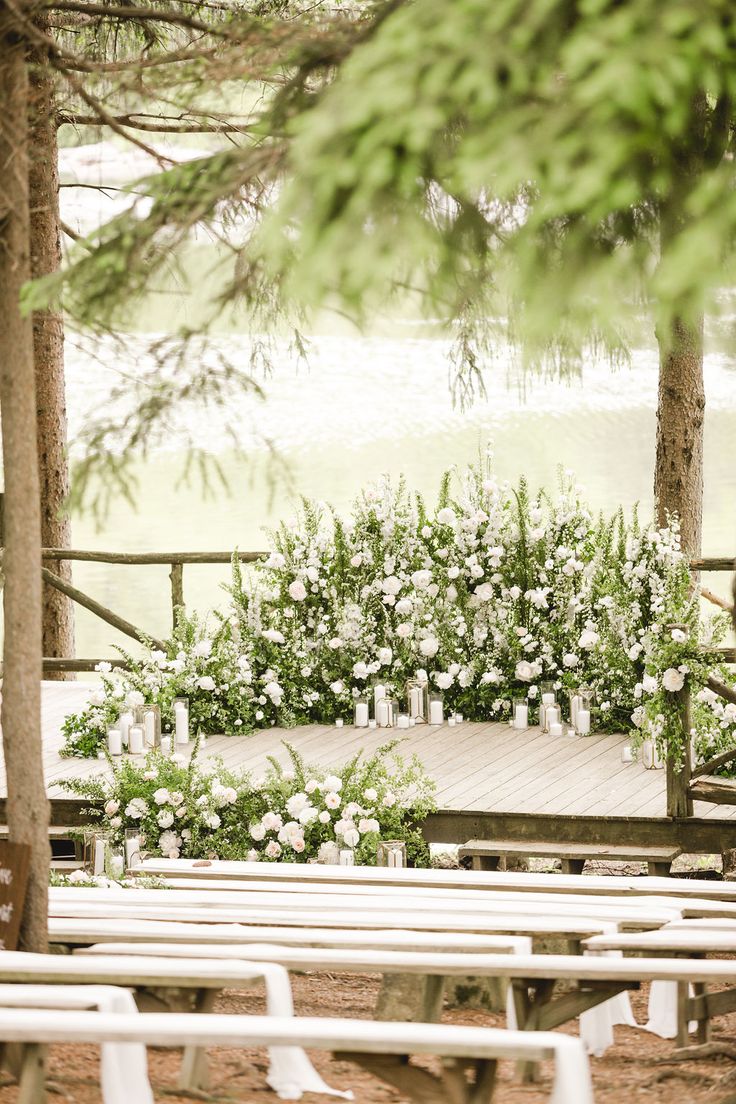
[[492, 781]]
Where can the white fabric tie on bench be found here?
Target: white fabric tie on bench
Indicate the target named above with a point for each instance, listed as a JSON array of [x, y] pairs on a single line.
[[597, 1024], [291, 1073], [123, 1066]]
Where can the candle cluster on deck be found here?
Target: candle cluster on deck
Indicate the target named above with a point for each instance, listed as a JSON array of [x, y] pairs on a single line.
[[138, 730], [550, 712], [380, 710]]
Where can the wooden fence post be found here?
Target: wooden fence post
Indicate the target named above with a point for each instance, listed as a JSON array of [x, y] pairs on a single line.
[[679, 801], [177, 590]]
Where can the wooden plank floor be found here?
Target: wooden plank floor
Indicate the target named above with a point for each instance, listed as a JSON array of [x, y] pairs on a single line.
[[483, 767]]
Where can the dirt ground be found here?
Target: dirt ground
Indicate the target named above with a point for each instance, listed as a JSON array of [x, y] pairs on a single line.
[[632, 1070]]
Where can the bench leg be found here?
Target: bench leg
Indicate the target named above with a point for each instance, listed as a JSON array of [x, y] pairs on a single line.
[[32, 1078], [423, 1087], [433, 998], [700, 990], [572, 866], [528, 1014], [194, 1073], [683, 1010], [486, 862], [657, 869]]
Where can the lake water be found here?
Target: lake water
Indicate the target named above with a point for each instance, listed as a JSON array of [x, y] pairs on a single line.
[[364, 406]]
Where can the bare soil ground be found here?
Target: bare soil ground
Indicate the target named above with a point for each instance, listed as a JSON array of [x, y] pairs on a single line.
[[632, 1070]]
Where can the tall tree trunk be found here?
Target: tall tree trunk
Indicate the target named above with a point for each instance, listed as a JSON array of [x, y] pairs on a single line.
[[48, 348], [27, 807], [678, 474]]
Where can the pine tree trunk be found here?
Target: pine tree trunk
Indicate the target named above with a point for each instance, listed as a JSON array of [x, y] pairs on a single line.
[[27, 806], [678, 474], [48, 347]]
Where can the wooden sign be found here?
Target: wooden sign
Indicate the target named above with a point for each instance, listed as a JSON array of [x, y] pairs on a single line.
[[14, 861]]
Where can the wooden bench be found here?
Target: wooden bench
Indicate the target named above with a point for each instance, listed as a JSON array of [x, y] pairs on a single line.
[[549, 990], [486, 854], [380, 1048], [163, 982], [316, 874], [688, 939]]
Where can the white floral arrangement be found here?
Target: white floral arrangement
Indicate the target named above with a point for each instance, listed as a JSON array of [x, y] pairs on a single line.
[[198, 809], [491, 592]]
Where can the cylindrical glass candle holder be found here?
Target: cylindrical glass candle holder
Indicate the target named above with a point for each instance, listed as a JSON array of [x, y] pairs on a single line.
[[347, 856], [361, 712], [436, 708], [552, 717], [546, 698], [133, 846], [135, 739], [93, 851], [391, 853], [378, 692], [125, 720], [584, 713], [329, 853], [387, 713], [521, 713], [114, 741], [181, 720], [152, 725], [417, 698]]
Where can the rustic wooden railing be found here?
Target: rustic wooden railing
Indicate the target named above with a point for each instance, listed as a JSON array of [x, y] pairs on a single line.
[[175, 561], [687, 783]]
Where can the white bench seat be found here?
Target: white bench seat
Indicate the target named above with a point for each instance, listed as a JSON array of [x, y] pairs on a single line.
[[380, 1047]]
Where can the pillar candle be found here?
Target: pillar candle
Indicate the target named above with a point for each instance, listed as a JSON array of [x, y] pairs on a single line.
[[115, 741], [347, 858], [135, 740], [149, 724], [548, 699], [555, 729], [166, 745], [361, 714], [133, 851], [521, 716], [436, 713], [575, 703], [181, 714], [383, 710], [379, 692], [338, 722], [125, 720], [98, 863], [403, 721], [583, 722]]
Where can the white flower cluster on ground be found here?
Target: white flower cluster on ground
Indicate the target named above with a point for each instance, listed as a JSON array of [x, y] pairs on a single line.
[[488, 594], [200, 809]]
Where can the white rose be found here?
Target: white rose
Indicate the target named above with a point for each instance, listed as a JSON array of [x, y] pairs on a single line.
[[352, 837], [421, 579], [115, 822], [273, 849], [296, 803], [307, 814], [484, 592], [446, 516], [678, 636], [673, 680], [165, 819], [252, 856], [588, 639], [356, 560], [403, 606], [312, 785], [391, 585], [162, 796], [367, 824], [202, 648], [104, 668], [332, 782], [385, 655], [337, 687], [274, 636], [635, 651], [570, 660], [334, 643], [360, 670], [370, 794], [298, 844], [257, 832], [649, 684], [276, 560], [271, 821], [515, 593], [111, 808], [444, 680], [332, 800], [206, 682], [297, 590], [324, 817], [404, 630], [389, 799], [429, 647], [524, 671]]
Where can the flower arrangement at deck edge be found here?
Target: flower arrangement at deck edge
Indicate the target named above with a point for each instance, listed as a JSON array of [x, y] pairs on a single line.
[[488, 594]]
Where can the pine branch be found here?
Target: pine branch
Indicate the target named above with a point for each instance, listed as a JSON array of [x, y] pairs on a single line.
[[139, 15], [165, 126]]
